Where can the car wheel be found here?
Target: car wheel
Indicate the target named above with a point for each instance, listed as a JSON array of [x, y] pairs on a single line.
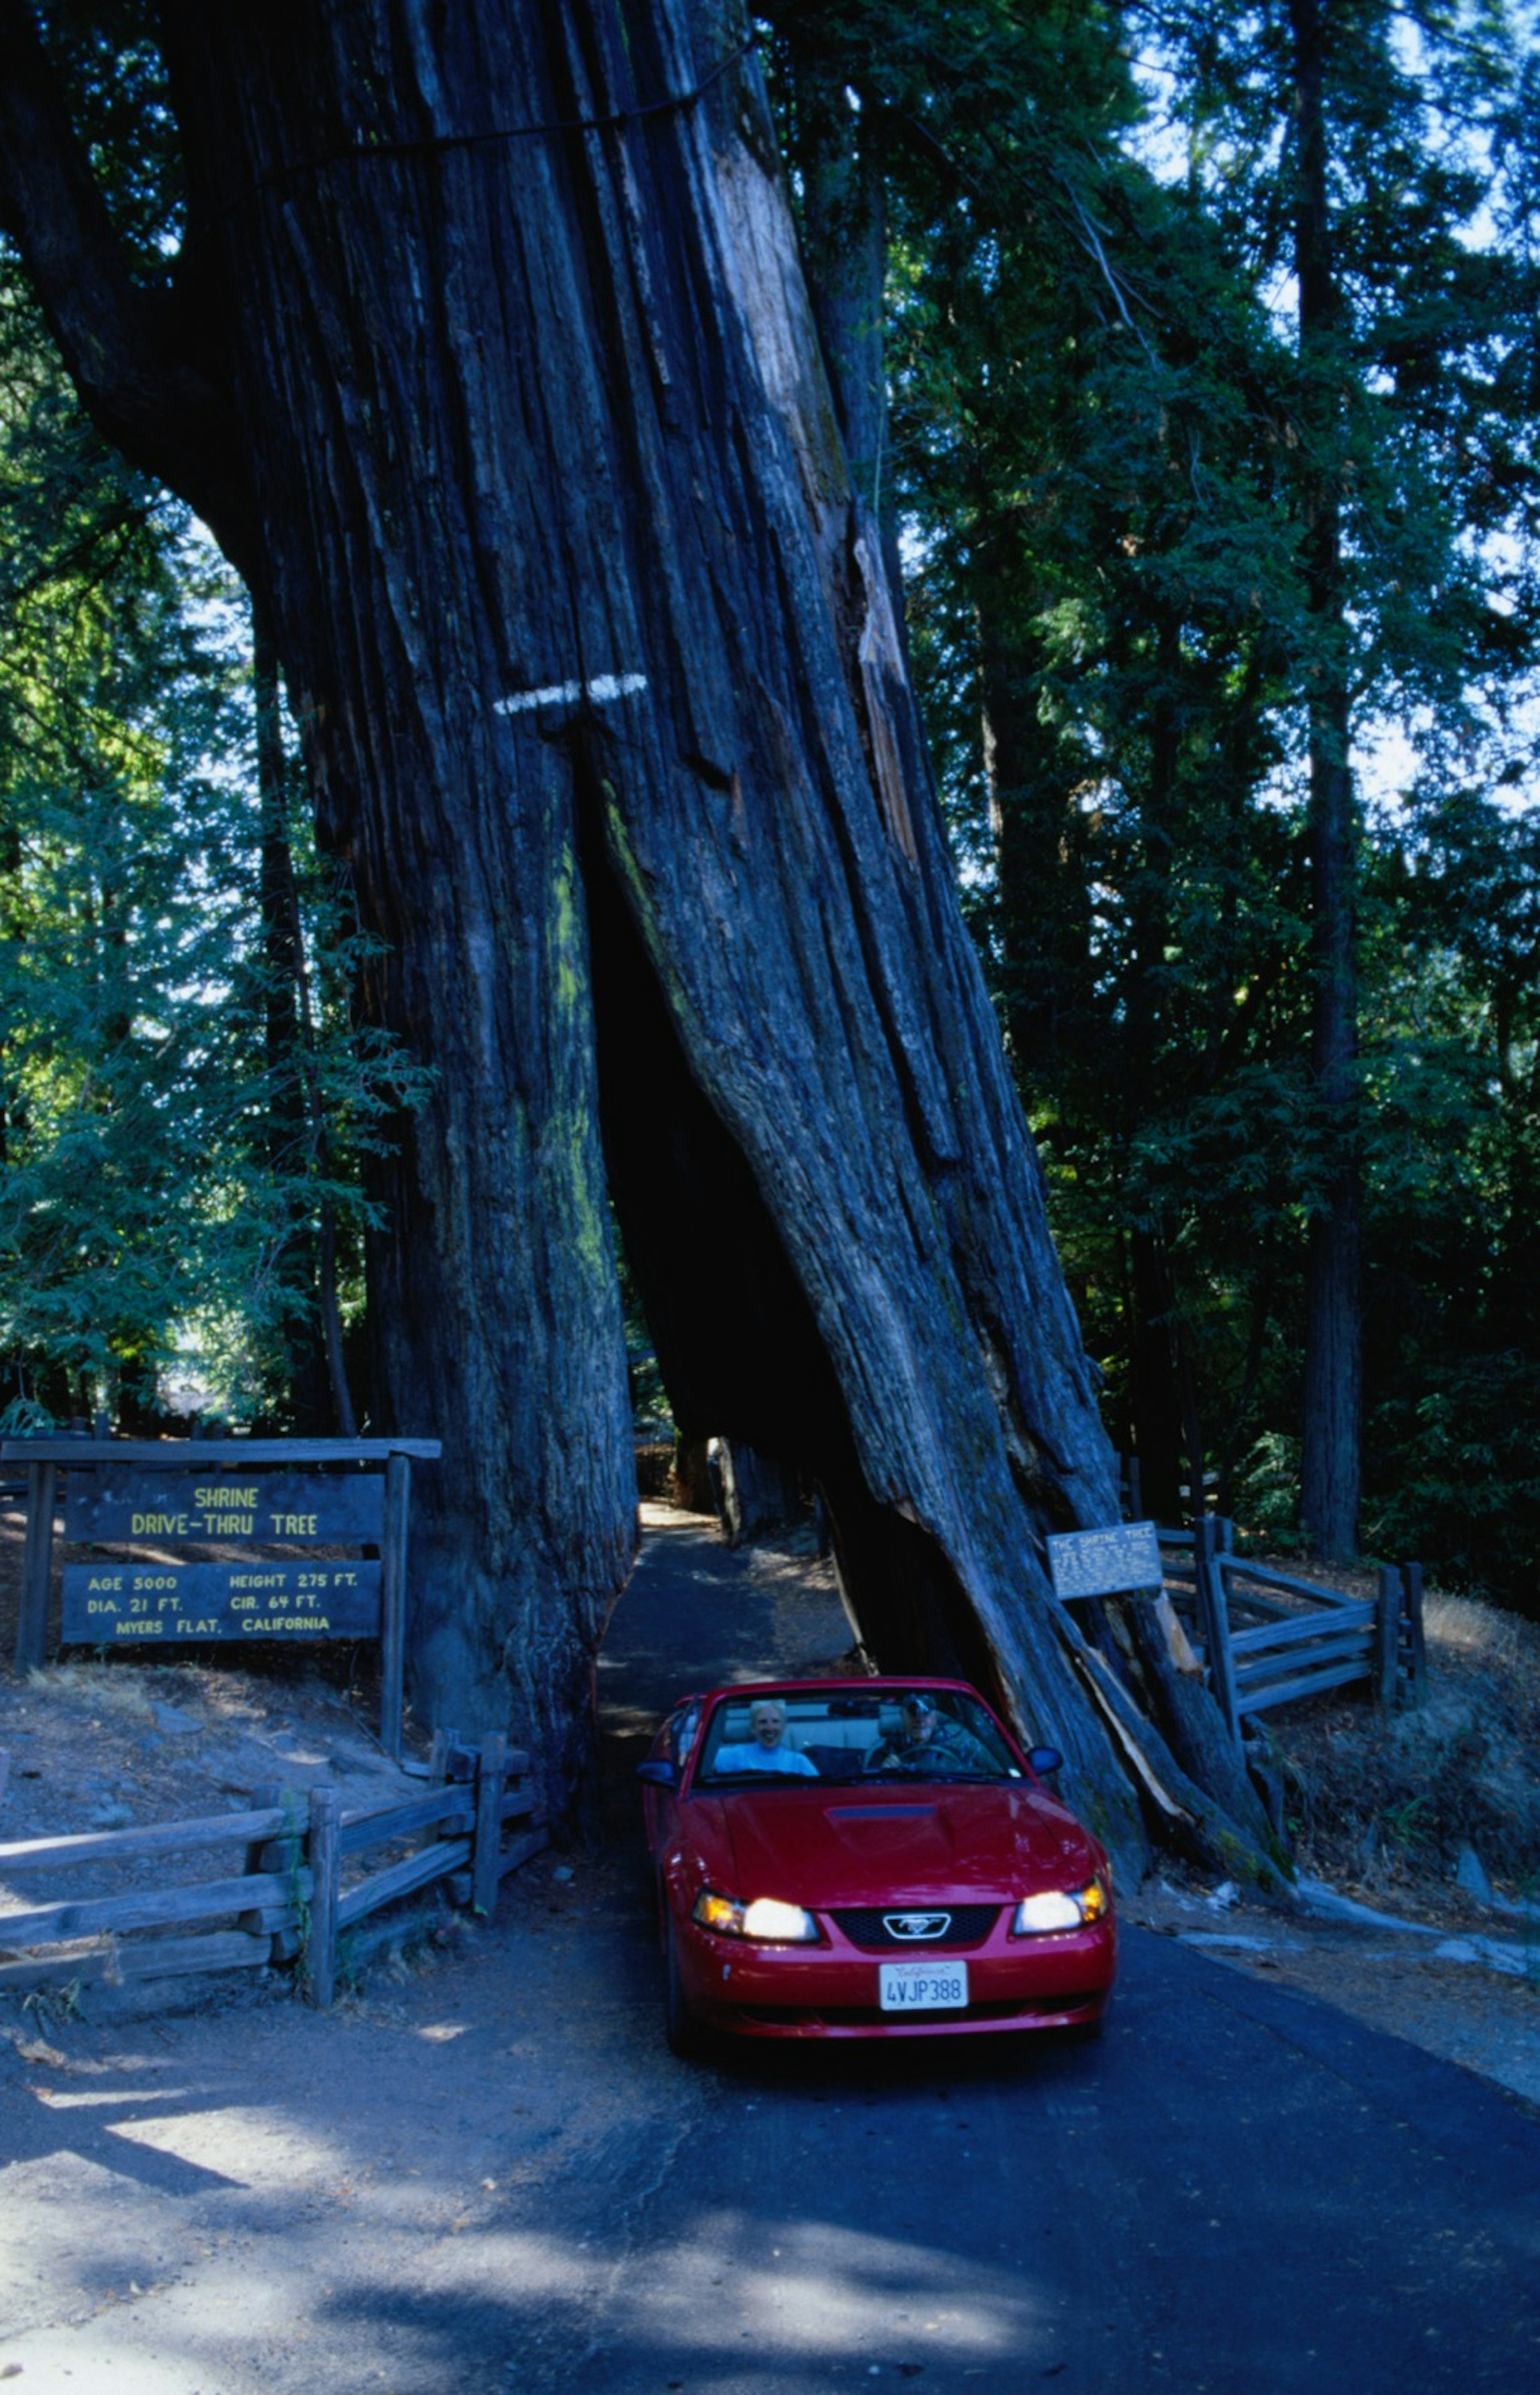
[[686, 2037]]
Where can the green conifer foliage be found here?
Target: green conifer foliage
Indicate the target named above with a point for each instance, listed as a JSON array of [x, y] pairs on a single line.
[[165, 1174], [1174, 558]]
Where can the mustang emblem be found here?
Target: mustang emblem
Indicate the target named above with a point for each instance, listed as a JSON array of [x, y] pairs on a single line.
[[916, 1924]]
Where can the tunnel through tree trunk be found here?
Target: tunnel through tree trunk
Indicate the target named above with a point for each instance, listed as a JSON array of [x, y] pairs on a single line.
[[739, 1349]]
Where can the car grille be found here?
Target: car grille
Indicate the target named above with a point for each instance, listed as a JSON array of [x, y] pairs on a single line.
[[967, 1924]]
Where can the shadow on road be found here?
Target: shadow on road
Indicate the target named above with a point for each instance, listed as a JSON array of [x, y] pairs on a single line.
[[490, 2177]]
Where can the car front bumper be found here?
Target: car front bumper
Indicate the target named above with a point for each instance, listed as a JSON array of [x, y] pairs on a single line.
[[1060, 1980]]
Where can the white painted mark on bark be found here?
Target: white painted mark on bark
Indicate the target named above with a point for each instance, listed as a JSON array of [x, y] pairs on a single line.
[[566, 694]]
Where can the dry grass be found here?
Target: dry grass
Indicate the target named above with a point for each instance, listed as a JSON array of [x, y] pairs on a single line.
[[1387, 1806], [121, 1698], [1461, 1626]]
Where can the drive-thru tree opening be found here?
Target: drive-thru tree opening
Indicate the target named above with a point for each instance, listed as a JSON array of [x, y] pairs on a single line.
[[738, 1346], [489, 359]]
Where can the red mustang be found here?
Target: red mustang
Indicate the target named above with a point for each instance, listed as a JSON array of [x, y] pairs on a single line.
[[869, 1859]]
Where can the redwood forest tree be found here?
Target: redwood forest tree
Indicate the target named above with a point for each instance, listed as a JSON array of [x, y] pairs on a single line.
[[573, 496], [487, 355], [1349, 149], [162, 1191], [1181, 556]]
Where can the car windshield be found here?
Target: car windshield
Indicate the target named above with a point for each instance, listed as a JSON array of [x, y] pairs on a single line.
[[800, 1733]]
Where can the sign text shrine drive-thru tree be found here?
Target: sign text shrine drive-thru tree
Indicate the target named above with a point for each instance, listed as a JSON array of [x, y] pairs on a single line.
[[487, 356]]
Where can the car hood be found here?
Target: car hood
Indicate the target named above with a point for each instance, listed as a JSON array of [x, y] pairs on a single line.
[[824, 1847]]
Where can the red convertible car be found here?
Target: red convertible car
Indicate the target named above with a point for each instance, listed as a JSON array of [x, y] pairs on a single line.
[[869, 1859]]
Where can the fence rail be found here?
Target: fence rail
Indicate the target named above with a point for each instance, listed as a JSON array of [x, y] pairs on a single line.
[[1269, 1638], [289, 1904]]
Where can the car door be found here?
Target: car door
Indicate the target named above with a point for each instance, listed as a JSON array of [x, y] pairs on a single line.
[[672, 1744]]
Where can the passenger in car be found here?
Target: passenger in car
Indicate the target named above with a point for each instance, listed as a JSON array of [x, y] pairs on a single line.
[[765, 1749], [927, 1740]]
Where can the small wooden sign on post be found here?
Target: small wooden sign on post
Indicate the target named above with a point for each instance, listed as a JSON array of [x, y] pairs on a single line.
[[1105, 1563], [203, 1492]]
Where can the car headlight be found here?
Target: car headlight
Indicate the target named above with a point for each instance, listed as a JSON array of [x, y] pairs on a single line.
[[1061, 1909], [766, 1917]]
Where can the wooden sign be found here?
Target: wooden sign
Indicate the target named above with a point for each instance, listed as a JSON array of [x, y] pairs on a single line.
[[1104, 1563], [266, 1492], [275, 1508], [111, 1604]]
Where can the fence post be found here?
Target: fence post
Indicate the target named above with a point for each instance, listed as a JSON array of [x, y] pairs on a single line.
[[280, 1854], [32, 1628], [398, 1488], [1411, 1577], [486, 1853], [1214, 1612], [1386, 1637], [438, 1772], [325, 1873]]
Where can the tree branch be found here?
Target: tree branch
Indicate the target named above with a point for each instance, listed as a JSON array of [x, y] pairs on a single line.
[[146, 377]]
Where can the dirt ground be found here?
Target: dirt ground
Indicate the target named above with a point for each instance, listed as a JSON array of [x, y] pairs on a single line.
[[1423, 1833]]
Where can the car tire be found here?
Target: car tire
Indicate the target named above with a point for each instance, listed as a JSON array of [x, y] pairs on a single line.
[[686, 2037]]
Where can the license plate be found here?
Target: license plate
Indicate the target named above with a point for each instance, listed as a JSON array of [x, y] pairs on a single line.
[[922, 1987]]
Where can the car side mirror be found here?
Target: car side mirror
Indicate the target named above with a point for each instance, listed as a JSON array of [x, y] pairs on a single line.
[[1045, 1761], [659, 1772]]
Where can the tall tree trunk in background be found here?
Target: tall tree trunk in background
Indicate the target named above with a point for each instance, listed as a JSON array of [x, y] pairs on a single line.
[[288, 1127], [1044, 899], [1162, 1396], [758, 1496], [1330, 1461], [1515, 1303], [1153, 1376], [595, 654]]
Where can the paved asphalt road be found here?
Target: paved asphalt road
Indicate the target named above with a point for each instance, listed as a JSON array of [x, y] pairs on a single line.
[[495, 2177]]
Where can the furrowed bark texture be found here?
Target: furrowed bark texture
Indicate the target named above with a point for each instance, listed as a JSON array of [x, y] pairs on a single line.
[[605, 703], [837, 159]]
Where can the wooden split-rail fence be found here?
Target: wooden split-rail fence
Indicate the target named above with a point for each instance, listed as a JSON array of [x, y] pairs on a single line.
[[1270, 1639], [299, 1896]]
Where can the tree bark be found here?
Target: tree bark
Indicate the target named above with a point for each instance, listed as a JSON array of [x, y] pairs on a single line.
[[596, 659], [310, 1330], [759, 1495], [1330, 1457], [836, 153]]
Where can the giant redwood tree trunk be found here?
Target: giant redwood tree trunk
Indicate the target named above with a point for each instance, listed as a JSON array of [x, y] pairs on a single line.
[[521, 428]]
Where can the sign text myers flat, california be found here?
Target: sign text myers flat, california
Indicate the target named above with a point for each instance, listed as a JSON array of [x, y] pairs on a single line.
[[112, 1603], [1101, 1563], [277, 1508]]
